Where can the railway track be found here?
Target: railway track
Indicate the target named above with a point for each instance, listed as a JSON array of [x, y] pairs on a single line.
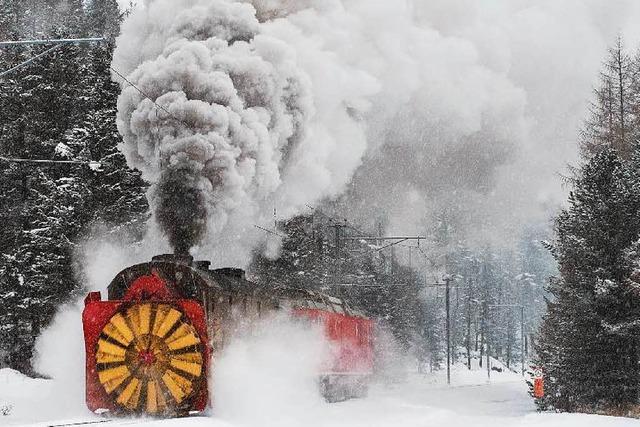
[[114, 422], [80, 423]]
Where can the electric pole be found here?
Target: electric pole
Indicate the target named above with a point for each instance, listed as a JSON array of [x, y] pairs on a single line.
[[447, 280], [488, 360], [522, 343]]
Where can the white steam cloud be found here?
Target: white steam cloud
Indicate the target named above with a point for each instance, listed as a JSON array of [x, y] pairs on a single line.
[[409, 105], [234, 127]]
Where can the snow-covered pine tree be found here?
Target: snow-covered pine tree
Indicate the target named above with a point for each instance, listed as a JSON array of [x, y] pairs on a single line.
[[116, 192], [39, 105], [590, 363], [589, 337], [103, 18], [13, 180], [64, 109], [614, 113], [535, 267], [432, 351]]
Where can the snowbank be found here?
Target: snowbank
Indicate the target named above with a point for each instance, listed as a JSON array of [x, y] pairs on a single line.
[[420, 401], [29, 400]]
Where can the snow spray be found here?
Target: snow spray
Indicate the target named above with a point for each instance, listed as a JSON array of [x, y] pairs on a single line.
[[268, 373]]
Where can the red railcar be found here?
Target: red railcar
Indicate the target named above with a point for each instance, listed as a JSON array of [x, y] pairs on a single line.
[[149, 345], [347, 373]]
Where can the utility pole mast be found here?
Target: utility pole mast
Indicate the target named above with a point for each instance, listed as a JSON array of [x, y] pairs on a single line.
[[488, 360], [522, 343], [337, 238], [447, 280]]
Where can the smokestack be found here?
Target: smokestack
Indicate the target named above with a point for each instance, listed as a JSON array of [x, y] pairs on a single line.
[[174, 258]]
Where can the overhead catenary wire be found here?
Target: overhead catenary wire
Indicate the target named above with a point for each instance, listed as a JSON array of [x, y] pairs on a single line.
[[58, 43], [385, 285], [52, 41], [17, 160], [266, 230], [391, 244], [343, 222], [29, 61], [116, 72], [91, 164]]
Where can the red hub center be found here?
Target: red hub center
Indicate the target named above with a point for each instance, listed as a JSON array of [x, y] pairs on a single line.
[[147, 357]]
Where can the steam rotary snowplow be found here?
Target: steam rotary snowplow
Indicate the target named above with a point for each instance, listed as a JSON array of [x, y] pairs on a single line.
[[147, 352], [149, 345]]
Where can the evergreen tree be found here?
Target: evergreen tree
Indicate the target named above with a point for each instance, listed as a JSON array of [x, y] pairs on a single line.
[[103, 18], [587, 347], [615, 110], [588, 341], [40, 208], [62, 107]]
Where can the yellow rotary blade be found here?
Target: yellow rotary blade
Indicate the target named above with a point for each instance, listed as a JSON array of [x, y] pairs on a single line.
[[111, 378], [193, 357], [120, 324], [152, 397], [131, 394], [193, 369], [109, 352], [140, 318], [161, 313], [144, 358], [102, 357], [178, 386], [190, 363], [112, 332], [183, 337], [167, 322], [156, 400]]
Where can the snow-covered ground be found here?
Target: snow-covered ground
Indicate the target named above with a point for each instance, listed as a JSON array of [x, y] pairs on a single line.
[[416, 401]]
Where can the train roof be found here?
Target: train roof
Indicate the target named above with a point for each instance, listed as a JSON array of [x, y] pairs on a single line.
[[189, 277]]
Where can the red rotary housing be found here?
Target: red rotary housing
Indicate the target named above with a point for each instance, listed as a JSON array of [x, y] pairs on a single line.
[[111, 383]]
